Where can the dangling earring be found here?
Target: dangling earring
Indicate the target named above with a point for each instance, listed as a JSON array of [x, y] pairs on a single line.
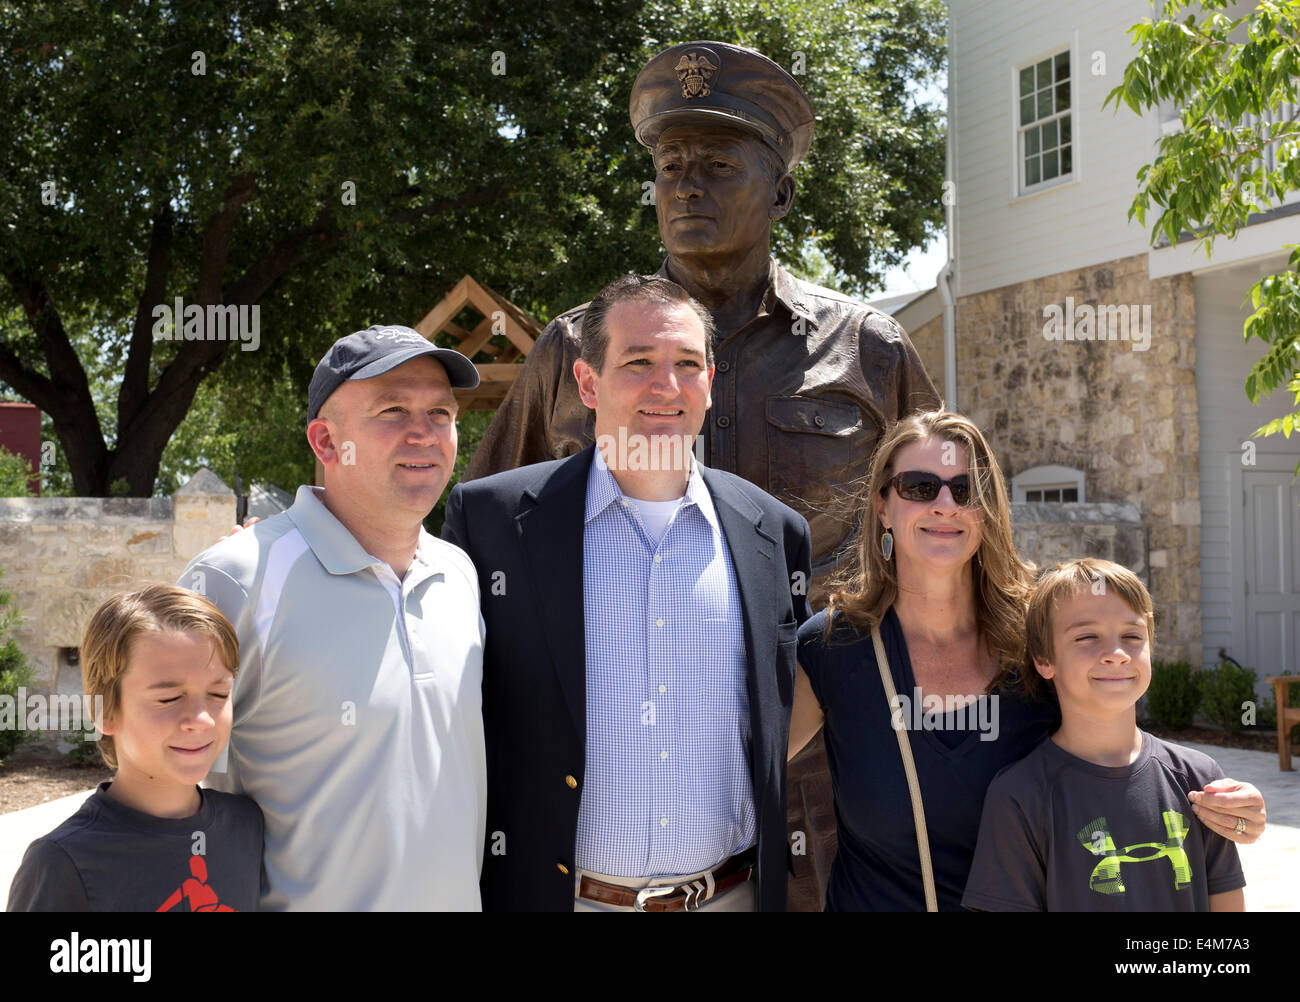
[[887, 544]]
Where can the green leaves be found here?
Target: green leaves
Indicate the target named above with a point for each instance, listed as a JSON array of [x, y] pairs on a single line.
[[1234, 157]]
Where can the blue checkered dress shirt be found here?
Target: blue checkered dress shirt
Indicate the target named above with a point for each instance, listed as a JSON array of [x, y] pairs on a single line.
[[667, 788]]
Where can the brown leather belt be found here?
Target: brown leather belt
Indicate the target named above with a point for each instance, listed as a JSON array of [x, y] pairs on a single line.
[[672, 897]]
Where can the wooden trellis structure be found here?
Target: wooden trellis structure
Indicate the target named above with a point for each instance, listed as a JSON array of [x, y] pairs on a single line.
[[497, 312]]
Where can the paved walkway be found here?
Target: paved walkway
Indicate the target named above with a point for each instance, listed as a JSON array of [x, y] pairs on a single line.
[[1272, 864]]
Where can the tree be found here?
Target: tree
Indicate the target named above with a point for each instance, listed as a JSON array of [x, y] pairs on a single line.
[[1236, 154], [342, 164]]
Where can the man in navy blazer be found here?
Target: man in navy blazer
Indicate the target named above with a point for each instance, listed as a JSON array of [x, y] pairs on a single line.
[[638, 670]]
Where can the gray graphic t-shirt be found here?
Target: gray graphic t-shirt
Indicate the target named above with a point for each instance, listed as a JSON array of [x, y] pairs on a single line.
[[1062, 834], [109, 857]]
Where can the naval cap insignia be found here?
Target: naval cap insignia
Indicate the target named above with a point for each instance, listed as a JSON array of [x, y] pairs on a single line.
[[695, 70]]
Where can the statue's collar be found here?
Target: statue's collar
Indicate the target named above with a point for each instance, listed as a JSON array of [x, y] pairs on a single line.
[[781, 286]]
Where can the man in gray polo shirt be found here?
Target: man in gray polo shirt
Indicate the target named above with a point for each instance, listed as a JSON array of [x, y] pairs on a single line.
[[358, 705]]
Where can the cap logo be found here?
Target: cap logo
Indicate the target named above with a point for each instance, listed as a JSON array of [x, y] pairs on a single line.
[[694, 70], [406, 336]]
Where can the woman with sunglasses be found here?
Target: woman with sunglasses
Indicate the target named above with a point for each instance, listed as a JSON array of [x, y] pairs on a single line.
[[936, 570]]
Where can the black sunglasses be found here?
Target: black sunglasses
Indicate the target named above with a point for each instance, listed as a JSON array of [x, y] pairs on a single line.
[[918, 485]]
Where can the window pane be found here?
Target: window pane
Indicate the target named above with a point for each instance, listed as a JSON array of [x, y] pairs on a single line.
[[1049, 165], [1026, 81], [1031, 171], [1033, 495], [1031, 141], [1027, 110], [1044, 74], [1062, 96], [1062, 66], [1065, 130], [1049, 135], [1044, 103], [1067, 162], [1071, 494], [1053, 495]]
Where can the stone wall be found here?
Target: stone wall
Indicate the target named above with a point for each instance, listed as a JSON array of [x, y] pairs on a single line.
[[62, 557], [928, 339], [1048, 534], [1127, 418]]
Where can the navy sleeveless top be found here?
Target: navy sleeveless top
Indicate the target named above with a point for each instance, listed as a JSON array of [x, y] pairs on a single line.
[[957, 754]]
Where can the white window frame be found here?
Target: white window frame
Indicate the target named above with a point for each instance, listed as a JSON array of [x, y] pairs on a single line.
[[1047, 478], [1019, 189]]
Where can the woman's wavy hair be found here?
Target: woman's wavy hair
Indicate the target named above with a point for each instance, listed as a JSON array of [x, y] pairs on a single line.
[[867, 584]]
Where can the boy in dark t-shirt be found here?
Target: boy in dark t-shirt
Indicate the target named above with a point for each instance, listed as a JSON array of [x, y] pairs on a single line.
[[159, 663], [1097, 817]]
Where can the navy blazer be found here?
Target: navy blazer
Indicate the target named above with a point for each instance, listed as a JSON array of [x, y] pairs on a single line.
[[523, 529]]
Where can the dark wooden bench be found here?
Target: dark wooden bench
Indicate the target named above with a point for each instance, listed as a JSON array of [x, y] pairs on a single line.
[[1287, 717]]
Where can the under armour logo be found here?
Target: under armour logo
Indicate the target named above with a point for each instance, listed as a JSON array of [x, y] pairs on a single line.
[[1106, 876]]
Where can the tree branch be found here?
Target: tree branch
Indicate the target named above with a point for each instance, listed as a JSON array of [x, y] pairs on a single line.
[[215, 242], [135, 377], [67, 375], [31, 384]]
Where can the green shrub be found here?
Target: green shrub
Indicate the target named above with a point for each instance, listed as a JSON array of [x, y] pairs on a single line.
[[1173, 696], [15, 673], [1224, 692], [15, 475], [84, 750]]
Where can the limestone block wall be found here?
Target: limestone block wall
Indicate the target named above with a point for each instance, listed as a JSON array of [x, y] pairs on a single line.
[[1127, 418], [62, 557], [928, 340], [1047, 534]]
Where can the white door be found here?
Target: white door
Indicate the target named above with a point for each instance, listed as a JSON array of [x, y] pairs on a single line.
[[1272, 551]]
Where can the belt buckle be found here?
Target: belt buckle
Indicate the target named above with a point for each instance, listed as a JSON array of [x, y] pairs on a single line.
[[650, 892]]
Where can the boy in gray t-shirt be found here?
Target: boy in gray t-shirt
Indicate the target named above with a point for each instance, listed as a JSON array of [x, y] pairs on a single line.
[[1097, 817], [159, 663], [109, 857]]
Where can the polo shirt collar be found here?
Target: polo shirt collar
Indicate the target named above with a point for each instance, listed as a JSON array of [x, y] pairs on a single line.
[[782, 287], [603, 490], [334, 546]]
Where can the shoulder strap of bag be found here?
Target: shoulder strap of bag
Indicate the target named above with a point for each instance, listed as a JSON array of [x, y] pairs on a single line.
[[909, 767]]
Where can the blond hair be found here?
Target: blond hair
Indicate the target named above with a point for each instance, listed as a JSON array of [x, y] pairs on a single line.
[[107, 647], [868, 585], [1063, 582]]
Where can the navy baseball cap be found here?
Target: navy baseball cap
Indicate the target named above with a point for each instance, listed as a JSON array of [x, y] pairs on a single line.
[[376, 350]]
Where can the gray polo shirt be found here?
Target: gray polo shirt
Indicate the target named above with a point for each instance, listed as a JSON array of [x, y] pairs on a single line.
[[357, 713]]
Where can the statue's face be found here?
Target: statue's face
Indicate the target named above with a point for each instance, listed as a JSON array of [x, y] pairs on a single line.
[[713, 194]]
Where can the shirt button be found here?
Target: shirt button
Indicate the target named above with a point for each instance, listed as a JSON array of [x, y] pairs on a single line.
[[724, 421], [572, 783], [663, 755], [724, 366], [659, 558], [659, 622], [663, 822], [562, 868], [819, 421], [663, 688]]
